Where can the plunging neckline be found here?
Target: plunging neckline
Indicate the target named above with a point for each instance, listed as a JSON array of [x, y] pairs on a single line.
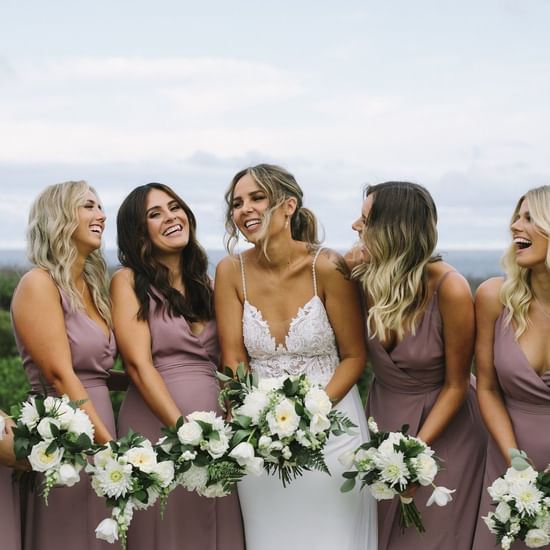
[[283, 346], [108, 338]]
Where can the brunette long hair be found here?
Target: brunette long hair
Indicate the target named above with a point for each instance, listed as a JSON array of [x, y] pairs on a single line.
[[152, 279]]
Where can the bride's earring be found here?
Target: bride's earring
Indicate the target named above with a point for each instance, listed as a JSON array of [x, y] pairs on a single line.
[[286, 222]]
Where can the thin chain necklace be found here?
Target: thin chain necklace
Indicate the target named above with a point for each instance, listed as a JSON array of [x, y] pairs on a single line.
[[544, 312]]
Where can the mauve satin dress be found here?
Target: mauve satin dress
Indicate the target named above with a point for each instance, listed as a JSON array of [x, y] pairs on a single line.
[[407, 382], [73, 513], [187, 364], [527, 399], [10, 526]]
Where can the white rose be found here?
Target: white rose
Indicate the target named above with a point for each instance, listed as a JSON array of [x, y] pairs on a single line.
[[42, 461], [441, 496], [269, 384], [68, 475], [218, 447], [107, 530], [207, 416], [254, 403], [426, 469], [498, 489], [50, 404], [80, 423], [165, 472], [535, 538], [346, 459], [190, 433], [502, 512], [44, 427], [319, 423], [64, 413], [29, 414], [264, 442], [317, 402], [143, 458], [380, 491], [2, 426], [283, 421]]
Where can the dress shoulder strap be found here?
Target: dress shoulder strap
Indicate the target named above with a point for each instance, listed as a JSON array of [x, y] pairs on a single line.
[[313, 269], [243, 278]]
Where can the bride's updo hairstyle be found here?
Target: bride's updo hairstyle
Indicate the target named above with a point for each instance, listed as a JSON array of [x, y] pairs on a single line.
[[278, 185], [516, 292], [53, 218], [400, 235]]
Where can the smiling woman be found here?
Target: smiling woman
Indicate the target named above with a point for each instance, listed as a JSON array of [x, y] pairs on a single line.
[[164, 324], [62, 322]]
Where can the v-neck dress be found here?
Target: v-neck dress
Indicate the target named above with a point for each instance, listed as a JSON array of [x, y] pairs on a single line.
[[407, 382], [310, 512], [73, 513], [188, 365], [527, 398]]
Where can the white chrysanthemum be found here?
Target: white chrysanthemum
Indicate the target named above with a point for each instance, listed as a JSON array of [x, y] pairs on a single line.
[[283, 420], [528, 475], [44, 427], [209, 417], [195, 478], [218, 447], [190, 433], [115, 479], [426, 468], [143, 458], [498, 489], [319, 423], [526, 497], [380, 491], [536, 538], [165, 472], [29, 414], [317, 402], [41, 461], [393, 469], [502, 512], [267, 385], [80, 423], [254, 403]]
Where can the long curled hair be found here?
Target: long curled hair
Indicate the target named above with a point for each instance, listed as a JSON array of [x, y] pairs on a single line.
[[516, 292], [53, 219], [400, 235], [278, 185], [152, 278]]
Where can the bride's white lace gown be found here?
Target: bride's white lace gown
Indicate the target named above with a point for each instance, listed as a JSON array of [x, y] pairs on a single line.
[[311, 512]]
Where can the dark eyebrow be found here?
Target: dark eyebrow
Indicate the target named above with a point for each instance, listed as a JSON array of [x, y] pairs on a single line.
[[170, 203]]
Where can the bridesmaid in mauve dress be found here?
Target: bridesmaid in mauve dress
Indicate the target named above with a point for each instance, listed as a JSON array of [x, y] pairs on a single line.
[[165, 329], [10, 526], [61, 320], [513, 350], [420, 326]]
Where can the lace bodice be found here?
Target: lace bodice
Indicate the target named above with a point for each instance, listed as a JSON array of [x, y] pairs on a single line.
[[309, 347]]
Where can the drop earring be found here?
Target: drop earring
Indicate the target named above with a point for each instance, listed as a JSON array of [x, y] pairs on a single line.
[[286, 222]]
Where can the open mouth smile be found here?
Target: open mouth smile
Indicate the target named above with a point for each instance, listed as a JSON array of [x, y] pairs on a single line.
[[522, 243], [96, 229], [249, 224], [172, 230]]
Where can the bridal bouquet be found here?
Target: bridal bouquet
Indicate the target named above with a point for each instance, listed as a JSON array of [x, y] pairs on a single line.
[[281, 424], [523, 505], [126, 472], [198, 446], [55, 436], [388, 464]]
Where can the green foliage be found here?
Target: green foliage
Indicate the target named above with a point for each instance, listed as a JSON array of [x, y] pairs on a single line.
[[13, 385], [7, 340], [9, 277]]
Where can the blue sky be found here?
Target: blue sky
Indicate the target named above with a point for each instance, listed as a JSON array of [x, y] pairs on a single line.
[[453, 95]]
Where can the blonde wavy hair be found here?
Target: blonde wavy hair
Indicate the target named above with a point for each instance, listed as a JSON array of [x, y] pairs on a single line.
[[279, 185], [400, 235], [516, 293], [53, 219]]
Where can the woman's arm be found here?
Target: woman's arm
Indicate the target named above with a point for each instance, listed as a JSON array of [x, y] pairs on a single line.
[[134, 343], [342, 303], [491, 404], [457, 313], [229, 313], [7, 454], [38, 316]]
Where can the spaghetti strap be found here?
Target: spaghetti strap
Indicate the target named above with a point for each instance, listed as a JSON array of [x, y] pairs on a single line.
[[241, 260], [441, 279], [313, 270]]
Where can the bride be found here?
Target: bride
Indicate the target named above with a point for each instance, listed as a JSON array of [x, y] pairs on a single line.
[[286, 306]]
